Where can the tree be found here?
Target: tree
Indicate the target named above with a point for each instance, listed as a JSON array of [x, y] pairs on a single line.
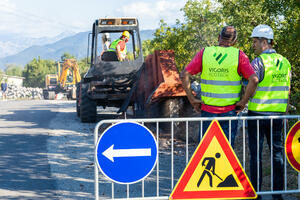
[[83, 66], [13, 70], [66, 56], [186, 39], [204, 20], [35, 72], [1, 75], [282, 16]]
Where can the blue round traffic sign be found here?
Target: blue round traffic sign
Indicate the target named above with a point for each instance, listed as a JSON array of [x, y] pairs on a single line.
[[126, 152]]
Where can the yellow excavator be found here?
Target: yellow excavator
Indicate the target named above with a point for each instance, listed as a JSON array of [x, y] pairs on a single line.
[[64, 81]]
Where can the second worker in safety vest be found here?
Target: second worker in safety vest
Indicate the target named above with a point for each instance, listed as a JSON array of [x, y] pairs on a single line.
[[221, 68], [119, 46], [271, 98]]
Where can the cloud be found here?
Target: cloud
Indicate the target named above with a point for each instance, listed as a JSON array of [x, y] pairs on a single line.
[[7, 6], [29, 23], [17, 18], [7, 16], [150, 13]]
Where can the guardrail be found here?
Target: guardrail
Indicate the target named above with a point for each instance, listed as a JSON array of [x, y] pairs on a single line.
[[174, 155]]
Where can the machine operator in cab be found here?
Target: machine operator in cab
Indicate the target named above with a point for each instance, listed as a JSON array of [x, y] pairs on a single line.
[[119, 47]]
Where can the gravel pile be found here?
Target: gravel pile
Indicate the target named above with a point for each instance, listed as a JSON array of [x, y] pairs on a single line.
[[16, 92]]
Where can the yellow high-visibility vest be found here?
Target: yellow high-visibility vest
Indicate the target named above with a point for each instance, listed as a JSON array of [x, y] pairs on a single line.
[[272, 92], [113, 47], [220, 82]]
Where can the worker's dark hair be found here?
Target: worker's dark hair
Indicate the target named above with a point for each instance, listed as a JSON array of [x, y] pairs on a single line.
[[228, 33]]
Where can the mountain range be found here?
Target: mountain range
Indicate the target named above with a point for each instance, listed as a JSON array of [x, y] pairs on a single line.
[[20, 50], [14, 43]]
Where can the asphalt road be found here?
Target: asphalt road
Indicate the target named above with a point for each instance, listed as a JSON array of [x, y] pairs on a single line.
[[47, 153], [24, 167]]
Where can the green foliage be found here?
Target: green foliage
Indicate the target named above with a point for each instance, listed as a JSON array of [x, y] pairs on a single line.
[[83, 66], [146, 46], [66, 56], [186, 39], [1, 75], [35, 72], [282, 16], [13, 70], [204, 20]]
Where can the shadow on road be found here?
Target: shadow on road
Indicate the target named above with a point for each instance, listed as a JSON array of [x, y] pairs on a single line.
[[24, 166]]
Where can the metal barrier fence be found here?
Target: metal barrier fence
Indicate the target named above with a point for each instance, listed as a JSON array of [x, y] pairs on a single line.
[[174, 155]]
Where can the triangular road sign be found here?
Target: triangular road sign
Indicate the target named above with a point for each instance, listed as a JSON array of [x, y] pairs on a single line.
[[214, 172]]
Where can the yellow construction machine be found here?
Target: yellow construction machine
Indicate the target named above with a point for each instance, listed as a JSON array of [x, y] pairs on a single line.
[[51, 83], [64, 81]]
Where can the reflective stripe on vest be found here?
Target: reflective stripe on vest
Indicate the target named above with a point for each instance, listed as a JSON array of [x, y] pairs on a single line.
[[275, 88], [220, 81], [211, 82], [272, 92], [268, 101], [221, 96]]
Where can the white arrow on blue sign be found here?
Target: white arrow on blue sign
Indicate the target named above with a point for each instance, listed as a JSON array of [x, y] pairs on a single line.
[[126, 152]]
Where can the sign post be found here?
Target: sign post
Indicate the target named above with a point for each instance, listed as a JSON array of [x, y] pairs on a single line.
[[126, 152]]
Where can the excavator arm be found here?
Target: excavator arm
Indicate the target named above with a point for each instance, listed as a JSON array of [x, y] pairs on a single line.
[[69, 64]]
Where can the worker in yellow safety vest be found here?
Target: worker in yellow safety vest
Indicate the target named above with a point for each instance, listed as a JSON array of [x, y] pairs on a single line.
[[271, 98], [119, 46], [222, 68]]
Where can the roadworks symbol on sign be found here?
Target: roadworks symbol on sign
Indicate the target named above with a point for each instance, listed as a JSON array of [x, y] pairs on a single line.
[[214, 171]]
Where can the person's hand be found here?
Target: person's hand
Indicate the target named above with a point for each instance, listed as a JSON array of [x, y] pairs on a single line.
[[196, 103], [239, 106]]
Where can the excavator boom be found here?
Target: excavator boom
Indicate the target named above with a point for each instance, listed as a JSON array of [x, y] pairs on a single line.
[[67, 77], [69, 68]]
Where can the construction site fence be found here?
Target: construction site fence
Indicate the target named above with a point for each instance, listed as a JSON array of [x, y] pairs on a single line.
[[172, 159]]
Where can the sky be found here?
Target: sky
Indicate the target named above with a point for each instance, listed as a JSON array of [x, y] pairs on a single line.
[[48, 18]]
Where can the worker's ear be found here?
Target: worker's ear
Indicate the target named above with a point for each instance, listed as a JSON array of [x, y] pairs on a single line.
[[233, 42]]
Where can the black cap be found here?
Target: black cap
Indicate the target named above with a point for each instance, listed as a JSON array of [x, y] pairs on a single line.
[[228, 33]]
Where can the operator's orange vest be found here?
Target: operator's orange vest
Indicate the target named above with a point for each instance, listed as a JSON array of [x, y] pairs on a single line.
[[113, 47]]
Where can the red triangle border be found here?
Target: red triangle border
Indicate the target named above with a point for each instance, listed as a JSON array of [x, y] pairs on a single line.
[[214, 130]]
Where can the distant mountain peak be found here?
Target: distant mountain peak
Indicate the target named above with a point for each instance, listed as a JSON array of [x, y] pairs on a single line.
[[49, 48]]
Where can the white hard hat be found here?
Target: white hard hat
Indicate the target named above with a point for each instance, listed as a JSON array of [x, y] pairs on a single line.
[[263, 31], [105, 35]]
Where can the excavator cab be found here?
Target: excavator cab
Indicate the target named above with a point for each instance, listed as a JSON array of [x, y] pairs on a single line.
[[51, 83], [110, 83]]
